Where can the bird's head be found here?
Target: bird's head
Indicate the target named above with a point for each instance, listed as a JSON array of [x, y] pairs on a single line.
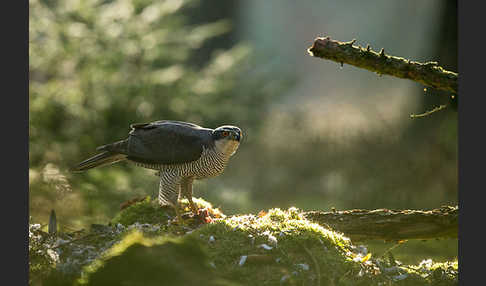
[[227, 138]]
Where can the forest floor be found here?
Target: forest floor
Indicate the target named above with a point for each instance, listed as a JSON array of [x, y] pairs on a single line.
[[143, 245]]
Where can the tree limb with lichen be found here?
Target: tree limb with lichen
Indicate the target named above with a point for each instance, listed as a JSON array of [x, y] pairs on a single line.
[[391, 225], [429, 74]]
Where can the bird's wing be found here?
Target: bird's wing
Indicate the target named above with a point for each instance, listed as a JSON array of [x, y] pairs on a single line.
[[166, 142]]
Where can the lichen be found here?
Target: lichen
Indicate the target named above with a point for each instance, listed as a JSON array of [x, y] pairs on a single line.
[[42, 258], [435, 273]]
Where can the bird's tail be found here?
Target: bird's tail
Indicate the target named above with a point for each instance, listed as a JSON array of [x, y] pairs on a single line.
[[102, 159]]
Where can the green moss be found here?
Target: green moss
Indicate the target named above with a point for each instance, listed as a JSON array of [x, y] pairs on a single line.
[[138, 260], [146, 211], [438, 273], [278, 247], [295, 245], [149, 211]]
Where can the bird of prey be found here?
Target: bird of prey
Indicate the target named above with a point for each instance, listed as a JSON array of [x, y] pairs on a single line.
[[181, 152]]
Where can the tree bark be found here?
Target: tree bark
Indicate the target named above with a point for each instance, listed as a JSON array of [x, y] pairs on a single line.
[[391, 225]]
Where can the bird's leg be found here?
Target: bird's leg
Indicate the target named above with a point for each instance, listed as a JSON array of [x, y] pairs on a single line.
[[169, 189], [195, 210], [186, 191]]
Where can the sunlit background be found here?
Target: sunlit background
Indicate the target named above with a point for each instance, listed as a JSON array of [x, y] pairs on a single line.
[[316, 135]]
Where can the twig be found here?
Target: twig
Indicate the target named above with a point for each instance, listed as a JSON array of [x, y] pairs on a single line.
[[427, 113], [74, 240], [429, 74], [390, 249]]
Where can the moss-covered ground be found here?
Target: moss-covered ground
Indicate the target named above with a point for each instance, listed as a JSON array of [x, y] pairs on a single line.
[[142, 245]]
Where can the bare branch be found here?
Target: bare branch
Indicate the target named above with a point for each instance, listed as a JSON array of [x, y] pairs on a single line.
[[429, 74]]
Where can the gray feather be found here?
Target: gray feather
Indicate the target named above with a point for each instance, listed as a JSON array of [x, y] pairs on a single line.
[[102, 159]]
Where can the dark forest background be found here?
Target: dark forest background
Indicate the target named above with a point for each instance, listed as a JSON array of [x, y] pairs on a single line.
[[317, 135]]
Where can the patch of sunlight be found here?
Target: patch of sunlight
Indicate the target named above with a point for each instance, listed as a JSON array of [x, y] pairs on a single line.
[[52, 175], [170, 6], [113, 30], [223, 61], [76, 29], [117, 10], [145, 109], [130, 48], [203, 32], [168, 75], [204, 86]]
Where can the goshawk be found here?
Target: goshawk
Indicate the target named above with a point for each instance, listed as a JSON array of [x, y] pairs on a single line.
[[181, 152]]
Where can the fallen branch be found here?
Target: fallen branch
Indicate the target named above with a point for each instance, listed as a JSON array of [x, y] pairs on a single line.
[[429, 74], [391, 225]]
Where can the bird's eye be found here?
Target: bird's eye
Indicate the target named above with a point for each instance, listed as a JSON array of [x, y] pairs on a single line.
[[225, 133]]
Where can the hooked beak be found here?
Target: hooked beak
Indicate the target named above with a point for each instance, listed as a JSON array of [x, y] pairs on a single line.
[[237, 136]]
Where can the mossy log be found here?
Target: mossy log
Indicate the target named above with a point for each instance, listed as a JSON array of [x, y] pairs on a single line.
[[429, 74], [391, 225]]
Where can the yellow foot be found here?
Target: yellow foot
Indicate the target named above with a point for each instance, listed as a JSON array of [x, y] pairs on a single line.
[[194, 209], [178, 216]]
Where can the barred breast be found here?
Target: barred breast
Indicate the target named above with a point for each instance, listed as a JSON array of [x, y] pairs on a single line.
[[210, 164]]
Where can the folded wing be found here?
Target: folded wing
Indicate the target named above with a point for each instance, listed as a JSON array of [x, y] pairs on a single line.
[[166, 142]]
